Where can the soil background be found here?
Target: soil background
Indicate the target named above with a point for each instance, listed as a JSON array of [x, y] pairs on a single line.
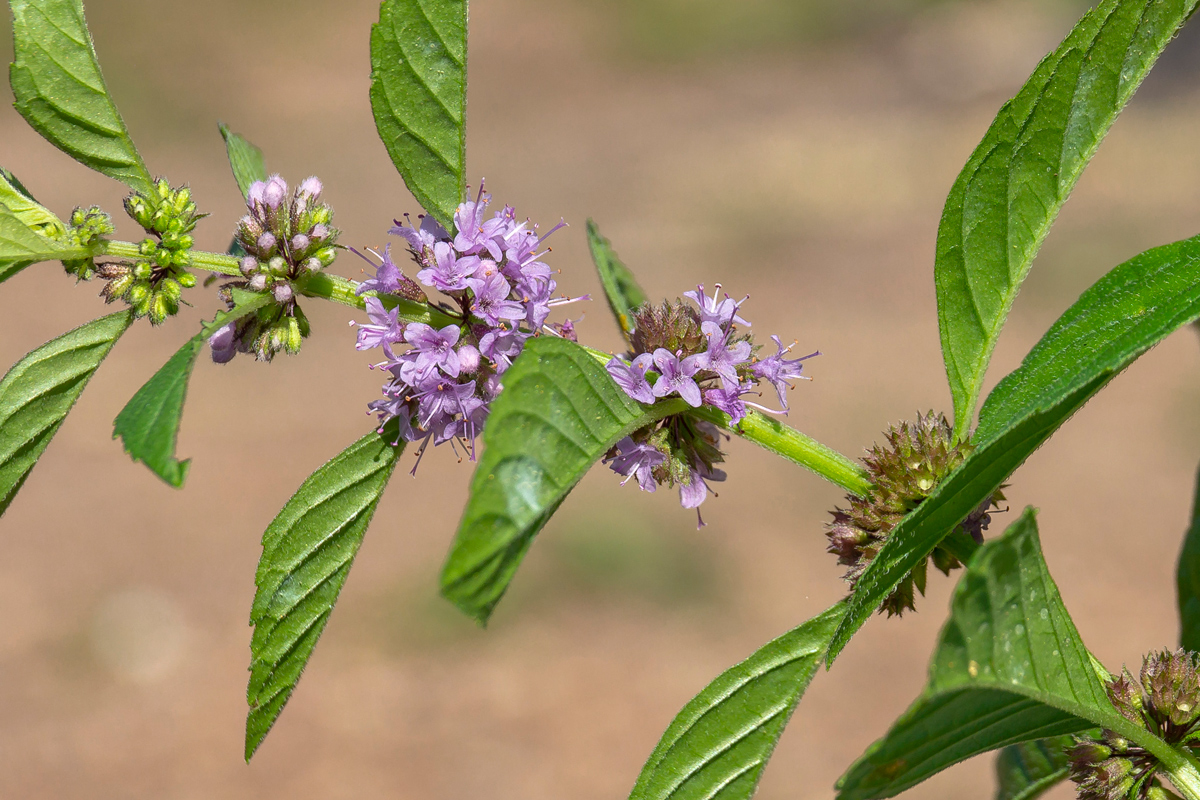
[[798, 151]]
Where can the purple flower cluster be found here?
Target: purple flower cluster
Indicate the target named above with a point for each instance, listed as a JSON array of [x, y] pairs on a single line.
[[286, 235], [698, 354], [501, 294]]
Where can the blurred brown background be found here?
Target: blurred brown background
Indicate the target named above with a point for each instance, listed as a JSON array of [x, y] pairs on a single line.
[[799, 151]]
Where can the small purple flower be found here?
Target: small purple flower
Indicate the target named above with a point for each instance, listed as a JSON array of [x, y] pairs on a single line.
[[420, 238], [224, 343], [728, 400], [387, 275], [721, 313], [778, 370], [501, 346], [631, 377], [676, 376], [433, 348], [695, 491], [384, 329], [722, 359], [448, 273], [637, 460], [491, 302]]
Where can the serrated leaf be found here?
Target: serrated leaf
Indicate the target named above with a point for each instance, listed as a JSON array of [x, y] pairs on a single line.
[[557, 416], [1006, 198], [419, 97], [61, 93], [1187, 580], [621, 289], [1009, 667], [39, 391], [149, 424], [1030, 769], [1121, 316], [307, 553], [719, 744], [245, 160], [29, 211]]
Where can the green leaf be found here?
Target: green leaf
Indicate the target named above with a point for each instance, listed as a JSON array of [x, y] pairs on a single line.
[[1124, 314], [620, 287], [1030, 769], [307, 553], [1014, 184], [419, 98], [39, 391], [557, 416], [245, 160], [1009, 667], [149, 424], [60, 92], [20, 204], [719, 744], [1187, 581]]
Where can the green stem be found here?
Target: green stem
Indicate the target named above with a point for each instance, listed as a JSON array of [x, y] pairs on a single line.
[[1184, 772]]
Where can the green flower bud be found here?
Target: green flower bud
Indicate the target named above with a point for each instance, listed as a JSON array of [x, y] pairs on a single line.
[[147, 247], [294, 336], [142, 271], [186, 279], [326, 255], [170, 288]]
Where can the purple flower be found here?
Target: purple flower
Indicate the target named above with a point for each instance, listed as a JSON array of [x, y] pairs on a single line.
[[728, 400], [676, 376], [721, 313], [384, 329], [433, 348], [720, 358], [429, 233], [501, 346], [695, 491], [491, 302], [224, 343], [448, 273], [778, 370], [631, 377], [387, 278], [637, 460]]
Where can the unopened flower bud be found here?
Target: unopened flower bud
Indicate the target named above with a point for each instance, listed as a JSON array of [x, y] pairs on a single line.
[[294, 336], [312, 264], [468, 359], [142, 271], [300, 243], [311, 187], [326, 255], [258, 282], [275, 192], [283, 292], [277, 266], [186, 279], [319, 232], [256, 194], [266, 242]]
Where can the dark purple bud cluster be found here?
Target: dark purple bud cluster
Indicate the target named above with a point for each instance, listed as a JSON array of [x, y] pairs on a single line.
[[1164, 700], [500, 293], [286, 236], [915, 459], [698, 354]]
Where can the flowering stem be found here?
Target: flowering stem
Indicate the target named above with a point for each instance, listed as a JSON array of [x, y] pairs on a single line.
[[1184, 772], [317, 284]]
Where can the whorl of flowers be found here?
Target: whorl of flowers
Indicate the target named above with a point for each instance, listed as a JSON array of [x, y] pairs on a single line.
[[500, 294], [915, 459], [699, 354], [1165, 701], [285, 236], [153, 284]]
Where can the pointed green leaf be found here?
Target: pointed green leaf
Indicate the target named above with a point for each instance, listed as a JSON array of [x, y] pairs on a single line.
[[620, 287], [1030, 769], [21, 245], [21, 204], [1009, 667], [557, 416], [60, 92], [1014, 184], [1187, 581], [419, 97], [245, 160], [719, 744], [149, 424], [307, 553], [1124, 314], [39, 391]]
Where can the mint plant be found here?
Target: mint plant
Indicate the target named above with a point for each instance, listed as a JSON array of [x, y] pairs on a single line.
[[480, 354]]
